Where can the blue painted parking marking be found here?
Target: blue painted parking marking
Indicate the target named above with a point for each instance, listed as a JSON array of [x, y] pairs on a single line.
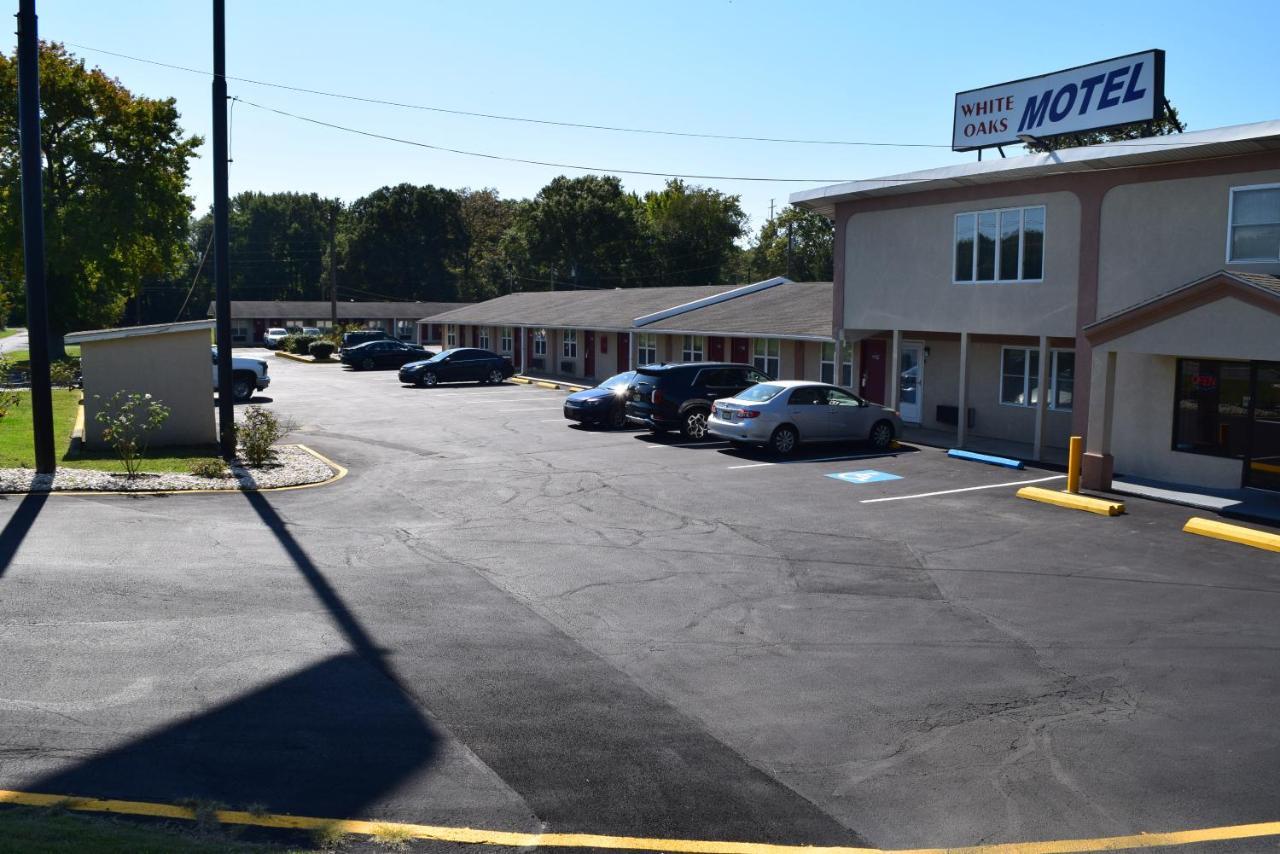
[[864, 476]]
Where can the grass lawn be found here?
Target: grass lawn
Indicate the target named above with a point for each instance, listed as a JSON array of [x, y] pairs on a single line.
[[21, 359], [58, 832], [17, 448], [5, 333]]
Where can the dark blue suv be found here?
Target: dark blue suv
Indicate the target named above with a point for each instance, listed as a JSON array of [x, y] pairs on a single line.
[[679, 396]]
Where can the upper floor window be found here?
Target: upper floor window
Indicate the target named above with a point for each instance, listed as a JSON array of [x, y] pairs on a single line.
[[1000, 246], [569, 344], [1254, 224]]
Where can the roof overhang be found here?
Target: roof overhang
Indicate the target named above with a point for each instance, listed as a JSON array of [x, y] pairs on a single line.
[[1216, 286], [1195, 145], [138, 331]]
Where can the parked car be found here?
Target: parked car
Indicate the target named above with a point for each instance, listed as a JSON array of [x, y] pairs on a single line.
[[274, 336], [247, 375], [461, 364], [679, 396], [606, 404], [313, 331], [381, 354], [784, 414], [363, 336]]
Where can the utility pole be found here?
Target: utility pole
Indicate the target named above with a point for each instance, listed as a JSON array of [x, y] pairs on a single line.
[[771, 209], [33, 235], [221, 239], [333, 265], [791, 243]]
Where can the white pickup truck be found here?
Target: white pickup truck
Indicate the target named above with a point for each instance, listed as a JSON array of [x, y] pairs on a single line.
[[247, 375]]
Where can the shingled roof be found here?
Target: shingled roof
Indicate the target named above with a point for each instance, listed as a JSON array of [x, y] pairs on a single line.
[[786, 310], [608, 310], [319, 309]]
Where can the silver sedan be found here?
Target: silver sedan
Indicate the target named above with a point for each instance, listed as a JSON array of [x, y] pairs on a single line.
[[782, 414]]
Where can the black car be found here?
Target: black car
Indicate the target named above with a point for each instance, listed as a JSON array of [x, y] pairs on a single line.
[[363, 336], [606, 404], [678, 397], [381, 354], [461, 364]]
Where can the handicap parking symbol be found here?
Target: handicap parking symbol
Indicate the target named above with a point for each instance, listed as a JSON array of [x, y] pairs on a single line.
[[864, 476]]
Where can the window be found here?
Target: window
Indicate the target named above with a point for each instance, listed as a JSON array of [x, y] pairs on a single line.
[[1020, 377], [1000, 246], [1212, 410], [450, 336], [404, 329], [540, 342], [504, 341], [484, 338], [569, 344], [829, 364], [765, 356], [1253, 228], [694, 346], [239, 332], [646, 348]]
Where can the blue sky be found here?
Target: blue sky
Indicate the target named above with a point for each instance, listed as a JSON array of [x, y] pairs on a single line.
[[883, 72]]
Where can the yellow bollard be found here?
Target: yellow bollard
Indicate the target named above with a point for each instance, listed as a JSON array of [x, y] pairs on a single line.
[[1074, 455]]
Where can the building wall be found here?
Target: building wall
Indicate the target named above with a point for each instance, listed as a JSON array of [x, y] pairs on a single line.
[[1162, 234], [176, 369], [898, 270]]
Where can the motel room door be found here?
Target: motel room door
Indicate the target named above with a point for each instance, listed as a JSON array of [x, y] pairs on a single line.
[[911, 382], [624, 351], [872, 354], [589, 354]]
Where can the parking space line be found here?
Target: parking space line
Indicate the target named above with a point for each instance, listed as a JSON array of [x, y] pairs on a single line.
[[962, 489], [845, 458], [527, 409]]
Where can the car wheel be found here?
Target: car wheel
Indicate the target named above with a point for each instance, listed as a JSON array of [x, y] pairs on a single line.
[[694, 426], [429, 379], [619, 418], [881, 435], [784, 440], [366, 365], [242, 388], [496, 377]]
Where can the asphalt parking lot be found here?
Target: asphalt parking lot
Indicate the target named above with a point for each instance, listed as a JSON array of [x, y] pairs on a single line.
[[499, 620]]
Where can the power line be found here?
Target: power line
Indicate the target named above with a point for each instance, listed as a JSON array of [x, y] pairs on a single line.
[[523, 119]]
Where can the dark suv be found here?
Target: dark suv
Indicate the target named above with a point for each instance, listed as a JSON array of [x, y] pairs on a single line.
[[364, 336], [678, 397]]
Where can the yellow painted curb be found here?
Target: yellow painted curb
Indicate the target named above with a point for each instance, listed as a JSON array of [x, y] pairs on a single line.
[[575, 388], [1072, 501], [524, 380], [306, 360], [77, 429], [339, 473], [1232, 533], [545, 384], [628, 843]]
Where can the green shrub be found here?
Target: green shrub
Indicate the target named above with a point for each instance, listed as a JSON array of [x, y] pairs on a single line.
[[65, 373], [321, 350], [128, 419], [299, 344], [210, 467], [257, 433], [9, 399]]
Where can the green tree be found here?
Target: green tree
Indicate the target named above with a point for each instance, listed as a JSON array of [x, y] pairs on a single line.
[[810, 239], [693, 233], [1168, 123], [582, 232], [486, 271], [116, 210], [405, 242]]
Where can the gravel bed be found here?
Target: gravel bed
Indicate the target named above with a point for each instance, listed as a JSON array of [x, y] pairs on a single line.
[[292, 467]]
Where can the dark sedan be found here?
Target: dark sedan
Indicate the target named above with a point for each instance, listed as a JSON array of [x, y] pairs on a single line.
[[461, 364], [606, 404], [381, 354]]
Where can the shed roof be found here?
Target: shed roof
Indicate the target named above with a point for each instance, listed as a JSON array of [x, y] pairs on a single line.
[[319, 309], [1193, 145], [611, 309], [138, 331], [786, 310]]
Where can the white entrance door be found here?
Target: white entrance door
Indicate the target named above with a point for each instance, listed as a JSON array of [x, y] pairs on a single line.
[[910, 382]]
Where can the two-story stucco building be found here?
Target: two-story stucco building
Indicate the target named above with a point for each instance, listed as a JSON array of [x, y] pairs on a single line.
[[1126, 292]]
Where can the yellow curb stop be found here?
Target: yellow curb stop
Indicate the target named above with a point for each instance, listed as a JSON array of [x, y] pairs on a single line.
[[1232, 533], [1071, 501]]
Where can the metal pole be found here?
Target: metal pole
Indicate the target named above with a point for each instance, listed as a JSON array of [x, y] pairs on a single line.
[[33, 236], [221, 241]]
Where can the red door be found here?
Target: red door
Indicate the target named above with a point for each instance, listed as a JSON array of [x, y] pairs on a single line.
[[715, 349], [516, 339], [589, 354], [624, 351], [259, 329], [873, 361], [475, 336], [742, 351]]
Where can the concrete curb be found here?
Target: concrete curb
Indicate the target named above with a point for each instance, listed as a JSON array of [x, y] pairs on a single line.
[[1072, 501], [551, 384], [1232, 533], [306, 360]]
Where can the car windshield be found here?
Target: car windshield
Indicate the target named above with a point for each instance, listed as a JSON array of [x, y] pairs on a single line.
[[276, 330], [439, 357], [760, 393], [618, 381]]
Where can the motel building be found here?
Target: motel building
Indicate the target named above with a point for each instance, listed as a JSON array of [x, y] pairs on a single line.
[[1126, 292], [780, 326], [250, 319]]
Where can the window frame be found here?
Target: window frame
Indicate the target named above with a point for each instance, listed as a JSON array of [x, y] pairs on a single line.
[[450, 336], [540, 342], [693, 348], [646, 342], [766, 357], [482, 337], [1231, 216], [569, 344], [506, 338], [1026, 377], [1250, 365], [1022, 244], [838, 349]]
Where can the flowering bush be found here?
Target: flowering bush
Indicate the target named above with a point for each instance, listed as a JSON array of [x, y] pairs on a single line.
[[259, 430], [128, 419]]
